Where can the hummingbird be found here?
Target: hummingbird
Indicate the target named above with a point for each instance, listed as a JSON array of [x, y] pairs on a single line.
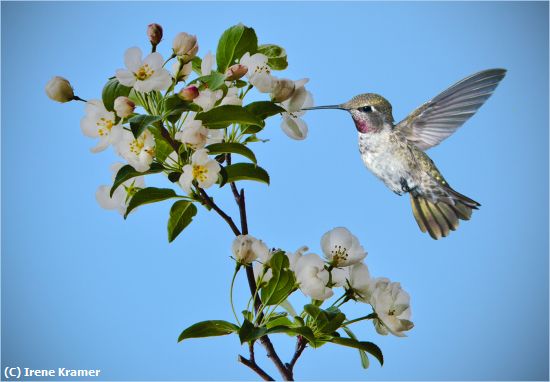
[[395, 153]]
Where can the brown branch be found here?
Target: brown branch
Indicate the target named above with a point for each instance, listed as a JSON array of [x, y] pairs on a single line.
[[254, 366], [301, 344], [208, 200]]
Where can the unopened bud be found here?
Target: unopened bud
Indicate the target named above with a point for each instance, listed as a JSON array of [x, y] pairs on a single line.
[[282, 90], [154, 32], [124, 106], [242, 249], [59, 89], [189, 93], [234, 72], [185, 46]]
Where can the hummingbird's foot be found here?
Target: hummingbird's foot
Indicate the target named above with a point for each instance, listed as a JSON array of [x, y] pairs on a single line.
[[405, 187]]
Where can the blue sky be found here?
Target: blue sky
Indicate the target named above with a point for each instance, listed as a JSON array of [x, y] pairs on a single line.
[[82, 288]]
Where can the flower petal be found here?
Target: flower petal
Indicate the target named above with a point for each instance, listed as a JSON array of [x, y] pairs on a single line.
[[295, 128], [132, 58], [154, 60], [125, 77]]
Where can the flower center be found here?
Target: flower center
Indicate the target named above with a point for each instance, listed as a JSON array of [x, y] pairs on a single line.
[[262, 69], [137, 145], [144, 72], [104, 126], [199, 172], [339, 253]]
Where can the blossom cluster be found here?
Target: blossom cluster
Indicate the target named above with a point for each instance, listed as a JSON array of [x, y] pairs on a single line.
[[146, 85], [342, 266]]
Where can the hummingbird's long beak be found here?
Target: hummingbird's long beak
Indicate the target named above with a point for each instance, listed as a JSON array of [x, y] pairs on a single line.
[[340, 107]]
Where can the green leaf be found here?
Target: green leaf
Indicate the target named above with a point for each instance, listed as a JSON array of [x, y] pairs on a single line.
[[196, 64], [264, 109], [128, 172], [222, 116], [303, 331], [324, 321], [281, 284], [174, 106], [369, 347], [364, 359], [233, 44], [162, 147], [140, 122], [149, 195], [276, 56], [246, 171], [181, 215], [213, 81], [248, 332], [211, 328], [279, 321], [111, 91], [233, 148]]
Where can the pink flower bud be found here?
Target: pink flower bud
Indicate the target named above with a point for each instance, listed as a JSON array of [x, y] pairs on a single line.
[[124, 106], [235, 72], [282, 90], [189, 93], [154, 32]]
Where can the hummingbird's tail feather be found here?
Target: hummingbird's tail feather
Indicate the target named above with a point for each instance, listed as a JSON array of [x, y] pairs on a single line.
[[439, 218]]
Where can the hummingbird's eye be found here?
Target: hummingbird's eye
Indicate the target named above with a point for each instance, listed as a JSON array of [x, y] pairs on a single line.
[[366, 109]]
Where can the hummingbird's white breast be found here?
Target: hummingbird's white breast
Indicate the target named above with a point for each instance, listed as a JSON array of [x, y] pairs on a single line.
[[385, 154]]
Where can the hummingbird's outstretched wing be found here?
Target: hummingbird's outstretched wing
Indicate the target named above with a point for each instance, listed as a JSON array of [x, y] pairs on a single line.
[[440, 117]]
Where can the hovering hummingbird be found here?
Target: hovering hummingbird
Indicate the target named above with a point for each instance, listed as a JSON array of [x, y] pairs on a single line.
[[395, 152]]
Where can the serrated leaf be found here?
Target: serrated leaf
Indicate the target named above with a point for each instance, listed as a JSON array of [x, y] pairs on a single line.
[[246, 171], [369, 347], [111, 91], [276, 56], [149, 195], [210, 328], [181, 215], [128, 172], [231, 148], [248, 332], [140, 122], [234, 43], [222, 116], [325, 321]]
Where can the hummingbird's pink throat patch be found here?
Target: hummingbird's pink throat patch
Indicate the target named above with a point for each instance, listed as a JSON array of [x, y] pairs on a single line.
[[363, 126]]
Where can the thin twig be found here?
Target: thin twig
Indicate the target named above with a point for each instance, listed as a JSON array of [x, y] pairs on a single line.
[[254, 366], [208, 200], [301, 344]]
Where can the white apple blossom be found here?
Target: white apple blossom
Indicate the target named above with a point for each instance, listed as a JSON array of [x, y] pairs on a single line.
[[360, 282], [100, 123], [207, 63], [392, 307], [123, 193], [292, 124], [181, 71], [341, 248], [194, 134], [262, 273], [259, 73], [59, 89], [312, 277], [144, 75], [202, 169], [208, 98], [139, 152], [232, 97]]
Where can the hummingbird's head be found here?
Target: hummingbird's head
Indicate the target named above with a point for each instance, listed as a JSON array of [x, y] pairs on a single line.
[[369, 111]]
